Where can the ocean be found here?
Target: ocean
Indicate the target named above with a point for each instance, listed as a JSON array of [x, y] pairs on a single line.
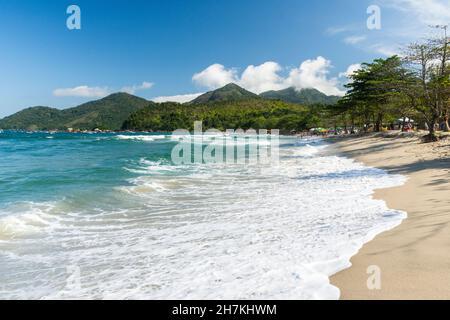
[[111, 216]]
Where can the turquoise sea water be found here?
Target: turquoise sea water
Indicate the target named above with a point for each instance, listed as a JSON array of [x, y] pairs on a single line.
[[46, 167], [111, 216]]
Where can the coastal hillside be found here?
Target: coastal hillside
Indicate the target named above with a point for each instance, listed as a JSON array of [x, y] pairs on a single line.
[[230, 92], [33, 118], [107, 113], [228, 107], [245, 114], [302, 96]]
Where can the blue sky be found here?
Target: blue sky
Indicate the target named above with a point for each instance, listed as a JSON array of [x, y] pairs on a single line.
[[162, 49]]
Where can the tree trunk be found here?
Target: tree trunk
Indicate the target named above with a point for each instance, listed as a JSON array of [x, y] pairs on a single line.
[[431, 136], [379, 123], [446, 126]]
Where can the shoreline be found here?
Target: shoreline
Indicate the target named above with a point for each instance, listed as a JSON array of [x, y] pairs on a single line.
[[413, 258]]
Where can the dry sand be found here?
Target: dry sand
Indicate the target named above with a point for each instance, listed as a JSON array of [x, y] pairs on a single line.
[[414, 258]]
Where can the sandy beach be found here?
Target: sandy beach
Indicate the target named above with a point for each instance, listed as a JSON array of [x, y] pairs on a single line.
[[414, 258]]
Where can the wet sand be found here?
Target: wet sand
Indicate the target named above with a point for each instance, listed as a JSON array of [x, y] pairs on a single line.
[[414, 258]]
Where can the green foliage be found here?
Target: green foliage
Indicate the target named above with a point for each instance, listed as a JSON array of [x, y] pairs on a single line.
[[106, 113], [255, 113], [230, 92], [376, 94], [386, 90], [35, 118], [303, 96], [230, 107]]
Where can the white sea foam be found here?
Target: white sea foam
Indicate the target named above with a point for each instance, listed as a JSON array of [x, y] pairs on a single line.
[[210, 232], [25, 219], [140, 137], [224, 139]]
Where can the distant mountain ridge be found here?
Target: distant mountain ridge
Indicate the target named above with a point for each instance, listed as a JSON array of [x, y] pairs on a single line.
[[230, 92], [107, 113], [112, 111], [302, 96], [233, 92]]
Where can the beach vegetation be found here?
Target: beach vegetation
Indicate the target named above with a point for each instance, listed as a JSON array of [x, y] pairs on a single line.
[[243, 114], [414, 86]]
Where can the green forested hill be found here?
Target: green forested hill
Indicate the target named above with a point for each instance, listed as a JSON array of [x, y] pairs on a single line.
[[34, 118], [230, 92], [106, 113], [303, 96], [229, 107], [256, 114]]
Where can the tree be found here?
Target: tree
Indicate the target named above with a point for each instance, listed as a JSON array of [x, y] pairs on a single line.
[[375, 90], [429, 63]]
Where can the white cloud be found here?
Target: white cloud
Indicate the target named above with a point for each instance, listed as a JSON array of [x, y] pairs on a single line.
[[413, 19], [386, 50], [182, 98], [313, 73], [82, 91], [98, 92], [133, 89], [262, 78], [350, 70], [426, 11], [403, 22], [214, 76], [354, 39], [336, 30]]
